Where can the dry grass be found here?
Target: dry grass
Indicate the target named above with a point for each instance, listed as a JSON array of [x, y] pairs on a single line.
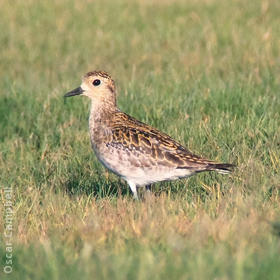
[[205, 72]]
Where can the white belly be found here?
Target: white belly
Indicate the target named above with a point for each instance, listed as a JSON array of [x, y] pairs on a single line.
[[130, 167]]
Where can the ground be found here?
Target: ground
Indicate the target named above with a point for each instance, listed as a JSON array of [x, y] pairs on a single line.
[[207, 73]]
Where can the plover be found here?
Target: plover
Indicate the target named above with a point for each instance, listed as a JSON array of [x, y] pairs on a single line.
[[137, 152]]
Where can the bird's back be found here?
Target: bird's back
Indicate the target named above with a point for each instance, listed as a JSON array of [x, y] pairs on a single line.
[[143, 154]]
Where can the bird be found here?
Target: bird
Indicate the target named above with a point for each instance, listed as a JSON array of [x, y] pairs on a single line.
[[135, 151]]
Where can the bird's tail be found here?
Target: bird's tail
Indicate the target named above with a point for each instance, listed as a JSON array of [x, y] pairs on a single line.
[[223, 168]]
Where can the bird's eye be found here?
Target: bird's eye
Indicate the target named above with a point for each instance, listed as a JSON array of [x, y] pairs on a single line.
[[96, 82]]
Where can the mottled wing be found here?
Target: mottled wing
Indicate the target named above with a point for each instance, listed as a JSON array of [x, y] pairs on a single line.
[[154, 146]]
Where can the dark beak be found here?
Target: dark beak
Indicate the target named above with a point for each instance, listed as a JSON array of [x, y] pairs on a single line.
[[76, 91]]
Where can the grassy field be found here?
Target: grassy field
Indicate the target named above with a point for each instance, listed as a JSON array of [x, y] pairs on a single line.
[[207, 73]]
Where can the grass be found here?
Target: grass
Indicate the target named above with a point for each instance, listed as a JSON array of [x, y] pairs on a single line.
[[205, 72]]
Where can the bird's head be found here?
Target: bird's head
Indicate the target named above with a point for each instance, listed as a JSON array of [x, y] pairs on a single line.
[[98, 86]]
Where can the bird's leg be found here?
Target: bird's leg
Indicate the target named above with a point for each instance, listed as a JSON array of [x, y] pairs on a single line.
[[133, 188], [148, 188], [148, 195]]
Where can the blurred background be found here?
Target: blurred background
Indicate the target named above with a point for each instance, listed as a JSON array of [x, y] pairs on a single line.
[[204, 71], [48, 44]]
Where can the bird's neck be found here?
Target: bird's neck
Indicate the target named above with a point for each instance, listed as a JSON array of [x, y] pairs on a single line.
[[101, 113]]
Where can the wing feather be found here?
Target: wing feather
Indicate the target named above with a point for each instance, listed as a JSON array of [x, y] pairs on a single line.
[[133, 135]]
